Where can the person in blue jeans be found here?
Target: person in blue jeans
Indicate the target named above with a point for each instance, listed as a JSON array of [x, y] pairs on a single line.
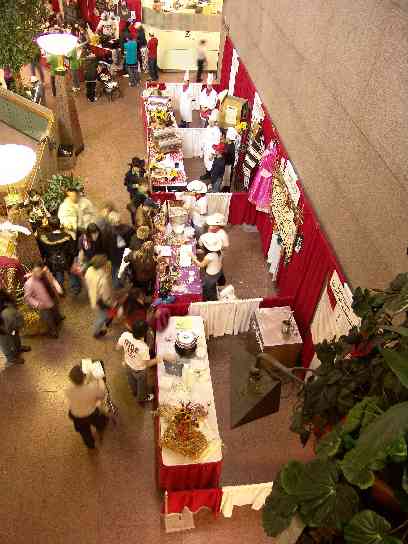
[[131, 61], [218, 168]]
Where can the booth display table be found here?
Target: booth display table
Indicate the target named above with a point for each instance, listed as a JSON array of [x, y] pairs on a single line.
[[188, 287], [176, 472], [267, 336], [166, 169]]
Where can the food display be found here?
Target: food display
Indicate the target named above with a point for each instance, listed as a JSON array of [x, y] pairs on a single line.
[[164, 145], [183, 434]]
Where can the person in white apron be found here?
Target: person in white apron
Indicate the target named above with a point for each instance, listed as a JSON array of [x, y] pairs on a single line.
[[186, 102], [211, 137], [208, 101]]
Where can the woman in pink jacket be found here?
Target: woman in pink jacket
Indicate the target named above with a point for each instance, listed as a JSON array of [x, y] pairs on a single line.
[[41, 292]]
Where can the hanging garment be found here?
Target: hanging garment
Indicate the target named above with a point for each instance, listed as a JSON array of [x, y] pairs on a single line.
[[256, 148], [260, 192]]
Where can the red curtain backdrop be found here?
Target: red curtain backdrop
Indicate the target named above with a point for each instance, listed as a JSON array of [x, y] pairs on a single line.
[[241, 211], [226, 63]]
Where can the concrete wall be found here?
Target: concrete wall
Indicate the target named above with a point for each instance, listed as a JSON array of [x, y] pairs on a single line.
[[334, 77]]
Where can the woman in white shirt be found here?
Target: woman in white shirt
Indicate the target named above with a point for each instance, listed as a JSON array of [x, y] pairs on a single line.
[[137, 360], [215, 223], [197, 205], [211, 265]]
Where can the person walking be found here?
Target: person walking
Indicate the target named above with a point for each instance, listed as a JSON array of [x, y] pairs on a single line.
[[41, 292], [142, 51], [57, 249], [132, 61], [99, 283], [84, 397], [117, 236], [152, 46], [36, 64], [11, 321], [201, 59], [137, 360], [90, 74]]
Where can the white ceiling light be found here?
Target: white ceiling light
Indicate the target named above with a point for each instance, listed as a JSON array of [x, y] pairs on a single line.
[[57, 44], [16, 162]]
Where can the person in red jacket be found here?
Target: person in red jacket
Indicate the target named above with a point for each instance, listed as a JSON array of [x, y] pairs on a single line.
[[152, 46]]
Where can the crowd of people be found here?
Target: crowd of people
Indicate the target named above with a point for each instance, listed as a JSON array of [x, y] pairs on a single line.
[[117, 263]]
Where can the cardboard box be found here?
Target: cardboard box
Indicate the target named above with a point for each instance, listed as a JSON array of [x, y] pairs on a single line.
[[232, 111]]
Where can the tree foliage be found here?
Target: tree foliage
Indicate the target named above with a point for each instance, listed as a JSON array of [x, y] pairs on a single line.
[[20, 22]]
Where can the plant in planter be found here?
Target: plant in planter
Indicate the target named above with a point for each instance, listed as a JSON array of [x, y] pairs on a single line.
[[57, 187], [329, 494], [370, 361]]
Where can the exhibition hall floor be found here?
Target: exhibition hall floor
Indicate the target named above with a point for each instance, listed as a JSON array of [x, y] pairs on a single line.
[[54, 491]]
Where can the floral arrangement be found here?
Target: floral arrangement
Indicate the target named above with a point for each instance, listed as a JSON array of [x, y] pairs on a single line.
[[182, 434], [241, 127]]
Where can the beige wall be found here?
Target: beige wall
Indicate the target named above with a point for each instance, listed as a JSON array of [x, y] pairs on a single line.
[[334, 77]]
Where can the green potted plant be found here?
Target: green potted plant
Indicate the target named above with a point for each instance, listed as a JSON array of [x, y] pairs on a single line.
[[56, 189], [367, 362], [329, 494], [20, 23], [356, 489]]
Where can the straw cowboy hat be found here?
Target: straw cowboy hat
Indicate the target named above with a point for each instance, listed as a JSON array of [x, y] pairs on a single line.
[[216, 220], [232, 134], [197, 186], [211, 241]]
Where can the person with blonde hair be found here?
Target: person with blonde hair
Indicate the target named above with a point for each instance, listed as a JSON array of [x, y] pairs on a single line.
[[99, 284], [143, 263]]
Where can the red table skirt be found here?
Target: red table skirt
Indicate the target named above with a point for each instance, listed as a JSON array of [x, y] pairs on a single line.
[[188, 298], [185, 477], [194, 500]]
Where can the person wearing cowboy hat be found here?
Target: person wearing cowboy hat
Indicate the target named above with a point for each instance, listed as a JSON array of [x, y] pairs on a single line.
[[218, 168], [212, 136], [186, 102], [208, 100], [197, 204], [215, 223], [211, 265]]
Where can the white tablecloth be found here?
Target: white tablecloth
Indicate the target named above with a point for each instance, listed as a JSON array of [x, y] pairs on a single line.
[[222, 317], [243, 495], [219, 203], [172, 390], [192, 141]]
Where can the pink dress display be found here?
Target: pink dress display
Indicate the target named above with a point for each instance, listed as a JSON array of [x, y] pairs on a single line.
[[260, 192]]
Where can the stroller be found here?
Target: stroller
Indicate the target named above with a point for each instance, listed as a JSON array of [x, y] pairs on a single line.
[[97, 370], [107, 84]]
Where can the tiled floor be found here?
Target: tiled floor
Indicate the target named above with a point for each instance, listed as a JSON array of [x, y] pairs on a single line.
[[52, 490]]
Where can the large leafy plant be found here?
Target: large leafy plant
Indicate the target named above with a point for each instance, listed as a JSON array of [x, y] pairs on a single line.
[[56, 190], [371, 360], [328, 493], [20, 22]]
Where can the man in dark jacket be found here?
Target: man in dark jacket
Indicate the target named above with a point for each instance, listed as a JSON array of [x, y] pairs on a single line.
[[117, 239], [11, 321], [90, 69], [57, 249], [218, 168]]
